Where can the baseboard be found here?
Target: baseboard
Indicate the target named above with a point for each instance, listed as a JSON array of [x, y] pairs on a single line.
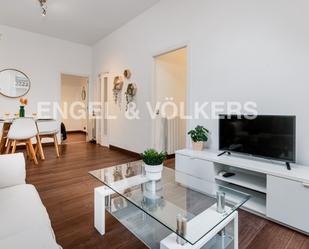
[[78, 131], [171, 156], [127, 152], [134, 154]]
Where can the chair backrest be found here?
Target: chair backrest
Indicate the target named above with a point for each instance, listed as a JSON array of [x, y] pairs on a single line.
[[23, 128], [48, 127]]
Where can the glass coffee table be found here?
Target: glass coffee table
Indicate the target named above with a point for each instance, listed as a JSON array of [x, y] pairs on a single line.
[[168, 214]]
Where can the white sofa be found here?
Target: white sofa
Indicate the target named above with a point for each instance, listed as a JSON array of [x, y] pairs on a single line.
[[24, 222]]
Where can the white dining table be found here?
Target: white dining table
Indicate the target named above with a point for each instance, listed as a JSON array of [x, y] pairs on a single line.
[[6, 124]]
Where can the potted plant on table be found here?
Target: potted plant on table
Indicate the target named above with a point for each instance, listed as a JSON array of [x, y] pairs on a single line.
[[199, 136], [153, 162]]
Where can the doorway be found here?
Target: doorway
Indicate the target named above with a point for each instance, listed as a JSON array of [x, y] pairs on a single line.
[[74, 105], [102, 125], [171, 77]]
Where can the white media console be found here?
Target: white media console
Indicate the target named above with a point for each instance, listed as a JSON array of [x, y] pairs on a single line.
[[276, 193]]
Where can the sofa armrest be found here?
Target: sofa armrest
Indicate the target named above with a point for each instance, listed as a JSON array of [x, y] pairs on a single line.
[[12, 170]]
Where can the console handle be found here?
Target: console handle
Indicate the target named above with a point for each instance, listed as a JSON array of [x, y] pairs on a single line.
[[306, 184]]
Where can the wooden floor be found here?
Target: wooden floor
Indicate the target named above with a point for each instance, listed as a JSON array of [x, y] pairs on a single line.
[[66, 190], [75, 137]]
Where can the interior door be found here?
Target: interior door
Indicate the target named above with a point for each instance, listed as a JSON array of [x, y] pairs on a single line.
[[97, 113], [104, 105]]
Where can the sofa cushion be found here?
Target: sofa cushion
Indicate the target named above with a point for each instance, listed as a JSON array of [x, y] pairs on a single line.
[[38, 237], [12, 170], [23, 219]]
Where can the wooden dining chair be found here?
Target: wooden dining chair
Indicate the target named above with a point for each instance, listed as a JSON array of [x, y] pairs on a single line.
[[22, 131], [49, 129], [2, 137]]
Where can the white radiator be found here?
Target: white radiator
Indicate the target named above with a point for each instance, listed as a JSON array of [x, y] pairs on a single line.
[[172, 132]]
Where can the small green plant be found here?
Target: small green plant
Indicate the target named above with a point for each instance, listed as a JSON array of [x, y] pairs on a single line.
[[199, 134], [153, 158]]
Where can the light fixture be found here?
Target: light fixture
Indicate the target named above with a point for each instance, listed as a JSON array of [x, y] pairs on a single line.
[[43, 4]]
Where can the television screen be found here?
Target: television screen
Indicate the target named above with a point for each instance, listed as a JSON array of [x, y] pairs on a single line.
[[270, 137]]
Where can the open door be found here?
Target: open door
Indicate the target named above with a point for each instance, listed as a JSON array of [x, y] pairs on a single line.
[[171, 85], [74, 103], [103, 129]]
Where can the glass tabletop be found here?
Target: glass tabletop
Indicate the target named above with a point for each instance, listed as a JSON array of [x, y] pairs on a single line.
[[188, 206]]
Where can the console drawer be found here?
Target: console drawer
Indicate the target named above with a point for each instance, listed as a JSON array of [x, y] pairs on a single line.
[[196, 167], [288, 202]]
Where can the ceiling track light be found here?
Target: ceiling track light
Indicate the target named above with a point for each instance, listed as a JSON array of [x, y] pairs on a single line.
[[43, 4]]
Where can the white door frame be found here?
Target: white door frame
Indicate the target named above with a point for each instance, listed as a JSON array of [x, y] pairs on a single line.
[[154, 86], [88, 128], [102, 136], [96, 121]]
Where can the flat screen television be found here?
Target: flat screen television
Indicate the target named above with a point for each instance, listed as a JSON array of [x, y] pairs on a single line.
[[271, 137]]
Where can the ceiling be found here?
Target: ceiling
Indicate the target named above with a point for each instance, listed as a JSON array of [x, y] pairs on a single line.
[[81, 21]]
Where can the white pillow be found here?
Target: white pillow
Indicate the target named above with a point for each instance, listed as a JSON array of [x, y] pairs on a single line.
[[12, 170]]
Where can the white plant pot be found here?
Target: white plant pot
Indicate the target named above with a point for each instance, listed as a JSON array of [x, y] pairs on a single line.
[[198, 145], [153, 173]]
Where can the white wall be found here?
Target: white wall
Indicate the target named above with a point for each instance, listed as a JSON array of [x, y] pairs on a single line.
[[42, 59], [239, 50], [71, 96]]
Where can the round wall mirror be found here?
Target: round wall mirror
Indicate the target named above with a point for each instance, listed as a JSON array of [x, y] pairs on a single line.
[[14, 83]]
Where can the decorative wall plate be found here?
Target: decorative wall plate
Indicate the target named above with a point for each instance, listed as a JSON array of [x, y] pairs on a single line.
[[84, 94]]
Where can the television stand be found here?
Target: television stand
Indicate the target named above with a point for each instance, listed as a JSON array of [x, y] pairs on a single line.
[[288, 166], [267, 182], [224, 152]]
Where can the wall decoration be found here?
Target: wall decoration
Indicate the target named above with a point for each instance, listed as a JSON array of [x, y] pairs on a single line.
[[118, 85], [127, 74], [14, 83], [84, 94], [130, 93]]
